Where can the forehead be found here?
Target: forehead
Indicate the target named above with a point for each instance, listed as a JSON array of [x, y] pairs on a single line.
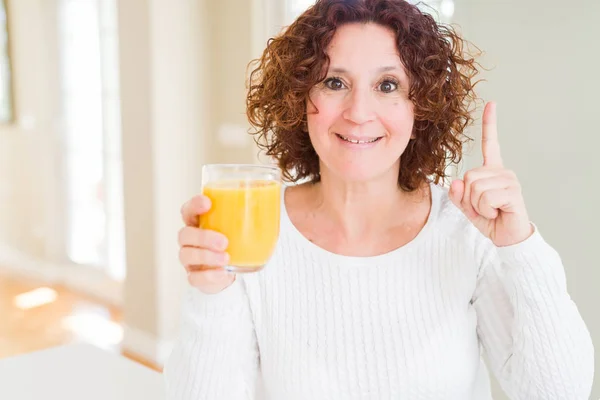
[[364, 45]]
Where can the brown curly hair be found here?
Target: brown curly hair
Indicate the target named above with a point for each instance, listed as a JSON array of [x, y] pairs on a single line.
[[439, 69]]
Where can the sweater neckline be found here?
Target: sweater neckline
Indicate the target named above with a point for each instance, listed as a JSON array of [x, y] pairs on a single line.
[[362, 260]]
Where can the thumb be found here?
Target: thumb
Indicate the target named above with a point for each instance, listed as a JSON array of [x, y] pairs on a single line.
[[456, 192]]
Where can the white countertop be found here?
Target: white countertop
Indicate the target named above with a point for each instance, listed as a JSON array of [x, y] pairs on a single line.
[[77, 372]]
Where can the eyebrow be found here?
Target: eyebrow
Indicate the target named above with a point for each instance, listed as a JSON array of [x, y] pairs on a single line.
[[339, 70]]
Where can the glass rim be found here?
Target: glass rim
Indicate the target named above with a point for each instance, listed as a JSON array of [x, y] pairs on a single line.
[[273, 168]]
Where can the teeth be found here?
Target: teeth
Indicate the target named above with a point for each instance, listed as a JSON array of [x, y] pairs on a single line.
[[358, 141]]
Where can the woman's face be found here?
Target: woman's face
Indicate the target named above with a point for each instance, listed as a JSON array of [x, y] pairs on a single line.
[[361, 119]]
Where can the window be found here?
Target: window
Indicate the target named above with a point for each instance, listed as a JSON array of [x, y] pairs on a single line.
[[442, 10], [92, 170], [6, 105], [296, 7]]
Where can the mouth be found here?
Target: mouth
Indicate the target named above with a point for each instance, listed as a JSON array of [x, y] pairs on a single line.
[[359, 141]]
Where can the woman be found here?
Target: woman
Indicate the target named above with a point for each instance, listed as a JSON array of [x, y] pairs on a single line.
[[384, 284]]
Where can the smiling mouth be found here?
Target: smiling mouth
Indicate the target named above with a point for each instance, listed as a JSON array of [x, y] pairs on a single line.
[[355, 141]]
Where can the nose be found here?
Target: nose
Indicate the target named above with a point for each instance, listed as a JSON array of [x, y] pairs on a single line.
[[359, 108]]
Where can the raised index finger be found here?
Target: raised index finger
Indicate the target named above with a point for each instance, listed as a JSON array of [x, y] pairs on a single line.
[[489, 141]]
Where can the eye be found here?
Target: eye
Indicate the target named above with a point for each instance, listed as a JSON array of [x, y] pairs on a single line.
[[334, 84], [388, 86]]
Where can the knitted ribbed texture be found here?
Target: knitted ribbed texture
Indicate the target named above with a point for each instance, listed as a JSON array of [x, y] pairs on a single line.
[[410, 324]]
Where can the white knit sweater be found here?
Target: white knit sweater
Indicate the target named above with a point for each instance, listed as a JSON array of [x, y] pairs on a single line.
[[411, 324]]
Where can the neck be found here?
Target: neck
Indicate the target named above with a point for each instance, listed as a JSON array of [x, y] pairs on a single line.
[[359, 208]]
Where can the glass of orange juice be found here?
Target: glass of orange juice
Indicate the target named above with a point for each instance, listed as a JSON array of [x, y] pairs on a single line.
[[246, 205]]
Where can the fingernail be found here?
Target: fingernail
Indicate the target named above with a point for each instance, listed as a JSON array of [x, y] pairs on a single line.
[[225, 258]]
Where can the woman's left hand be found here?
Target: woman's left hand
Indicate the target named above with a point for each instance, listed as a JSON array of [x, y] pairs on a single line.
[[490, 196]]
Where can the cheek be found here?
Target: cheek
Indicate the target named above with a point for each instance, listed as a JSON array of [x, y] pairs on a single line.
[[321, 114], [398, 120]]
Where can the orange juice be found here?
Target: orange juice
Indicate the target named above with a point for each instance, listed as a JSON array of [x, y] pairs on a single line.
[[247, 212]]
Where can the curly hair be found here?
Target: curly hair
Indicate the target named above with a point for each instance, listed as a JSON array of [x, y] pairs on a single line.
[[439, 69]]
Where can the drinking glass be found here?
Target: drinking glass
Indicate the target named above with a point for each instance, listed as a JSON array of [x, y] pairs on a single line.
[[246, 207]]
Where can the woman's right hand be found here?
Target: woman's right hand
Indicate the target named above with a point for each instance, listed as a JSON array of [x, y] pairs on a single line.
[[202, 251]]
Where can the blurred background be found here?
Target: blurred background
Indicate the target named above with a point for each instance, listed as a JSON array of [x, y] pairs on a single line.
[[108, 109]]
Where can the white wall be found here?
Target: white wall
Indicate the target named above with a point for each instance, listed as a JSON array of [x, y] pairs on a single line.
[[27, 145], [545, 58]]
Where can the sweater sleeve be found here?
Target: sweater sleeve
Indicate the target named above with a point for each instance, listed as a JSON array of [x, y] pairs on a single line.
[[215, 355], [535, 340]]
